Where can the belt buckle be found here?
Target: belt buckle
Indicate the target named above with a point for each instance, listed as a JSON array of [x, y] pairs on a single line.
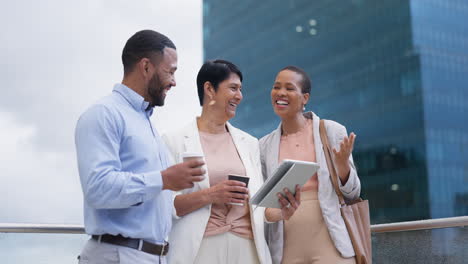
[[140, 244], [162, 249]]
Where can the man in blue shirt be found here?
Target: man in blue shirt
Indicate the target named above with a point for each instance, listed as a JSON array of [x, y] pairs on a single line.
[[123, 164]]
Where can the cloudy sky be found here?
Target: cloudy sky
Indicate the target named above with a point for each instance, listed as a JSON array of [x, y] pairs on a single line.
[[57, 58]]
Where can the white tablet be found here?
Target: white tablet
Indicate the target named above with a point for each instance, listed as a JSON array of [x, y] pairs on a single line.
[[288, 174]]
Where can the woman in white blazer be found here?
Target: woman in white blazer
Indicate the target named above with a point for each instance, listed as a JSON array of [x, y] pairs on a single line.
[[207, 228], [316, 232]]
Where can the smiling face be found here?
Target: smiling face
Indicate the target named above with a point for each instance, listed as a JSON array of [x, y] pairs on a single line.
[[163, 77], [227, 97], [286, 96]]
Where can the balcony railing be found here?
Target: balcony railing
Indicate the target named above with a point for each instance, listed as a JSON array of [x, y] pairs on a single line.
[[460, 221], [426, 241]]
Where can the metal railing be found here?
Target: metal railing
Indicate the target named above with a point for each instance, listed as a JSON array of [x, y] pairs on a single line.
[[460, 221], [41, 228]]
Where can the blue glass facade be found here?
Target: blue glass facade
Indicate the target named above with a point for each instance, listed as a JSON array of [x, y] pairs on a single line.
[[393, 71], [441, 37]]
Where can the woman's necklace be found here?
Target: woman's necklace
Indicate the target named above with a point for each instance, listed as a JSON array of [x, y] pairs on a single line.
[[296, 136]]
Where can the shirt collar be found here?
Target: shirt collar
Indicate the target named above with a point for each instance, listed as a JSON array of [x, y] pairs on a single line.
[[136, 101]]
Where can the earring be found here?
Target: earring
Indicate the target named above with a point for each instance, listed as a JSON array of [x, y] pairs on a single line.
[[212, 102], [303, 108]]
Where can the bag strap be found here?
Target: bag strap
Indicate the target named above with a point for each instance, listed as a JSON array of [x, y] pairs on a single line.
[[328, 157]]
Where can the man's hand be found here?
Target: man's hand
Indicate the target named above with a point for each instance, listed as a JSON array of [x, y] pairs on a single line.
[[183, 175], [224, 192]]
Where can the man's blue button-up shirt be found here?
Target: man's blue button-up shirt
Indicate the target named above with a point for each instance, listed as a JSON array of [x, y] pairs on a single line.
[[120, 159]]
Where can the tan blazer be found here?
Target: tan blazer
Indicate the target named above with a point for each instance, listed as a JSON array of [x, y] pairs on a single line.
[[269, 150], [187, 231]]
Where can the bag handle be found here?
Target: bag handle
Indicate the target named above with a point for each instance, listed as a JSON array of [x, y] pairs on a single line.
[[331, 166]]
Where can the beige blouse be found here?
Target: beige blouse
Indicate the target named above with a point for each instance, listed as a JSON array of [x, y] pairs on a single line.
[[222, 159], [300, 146]]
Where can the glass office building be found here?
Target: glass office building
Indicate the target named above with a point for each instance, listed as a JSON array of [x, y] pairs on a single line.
[[393, 71]]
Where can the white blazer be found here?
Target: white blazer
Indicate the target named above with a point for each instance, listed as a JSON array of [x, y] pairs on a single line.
[[269, 150], [187, 231]]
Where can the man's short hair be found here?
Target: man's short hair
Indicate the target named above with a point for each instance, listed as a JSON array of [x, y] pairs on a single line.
[[215, 72], [143, 44], [305, 82]]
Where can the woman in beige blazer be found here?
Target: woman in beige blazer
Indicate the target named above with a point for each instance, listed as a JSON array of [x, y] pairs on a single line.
[[207, 227], [316, 232]]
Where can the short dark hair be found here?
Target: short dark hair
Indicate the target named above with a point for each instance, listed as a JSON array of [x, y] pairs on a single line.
[[305, 83], [215, 72], [143, 44]]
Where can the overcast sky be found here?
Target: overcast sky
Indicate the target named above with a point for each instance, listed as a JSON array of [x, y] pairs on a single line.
[[57, 58]]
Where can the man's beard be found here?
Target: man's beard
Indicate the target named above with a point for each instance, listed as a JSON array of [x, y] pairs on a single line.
[[156, 91]]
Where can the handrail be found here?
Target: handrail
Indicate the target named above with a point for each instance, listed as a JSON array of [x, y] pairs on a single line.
[[459, 221], [41, 228]]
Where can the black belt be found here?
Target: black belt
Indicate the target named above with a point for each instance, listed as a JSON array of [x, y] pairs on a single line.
[[138, 244]]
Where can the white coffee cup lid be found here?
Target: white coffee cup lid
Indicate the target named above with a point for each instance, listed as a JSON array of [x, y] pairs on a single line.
[[192, 155]]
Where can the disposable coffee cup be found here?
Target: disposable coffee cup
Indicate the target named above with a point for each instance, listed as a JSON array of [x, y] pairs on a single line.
[[187, 156], [240, 178]]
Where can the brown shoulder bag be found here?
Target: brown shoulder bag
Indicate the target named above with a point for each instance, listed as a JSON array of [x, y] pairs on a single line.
[[355, 213]]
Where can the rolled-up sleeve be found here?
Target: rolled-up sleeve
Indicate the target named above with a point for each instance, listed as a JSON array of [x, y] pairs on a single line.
[[105, 185], [352, 188], [174, 158]]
